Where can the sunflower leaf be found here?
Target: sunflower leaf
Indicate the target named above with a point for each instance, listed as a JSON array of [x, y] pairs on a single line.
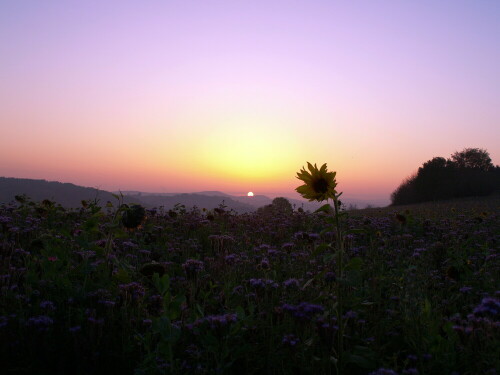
[[325, 208]]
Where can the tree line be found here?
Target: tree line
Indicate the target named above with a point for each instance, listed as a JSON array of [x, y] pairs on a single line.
[[466, 173]]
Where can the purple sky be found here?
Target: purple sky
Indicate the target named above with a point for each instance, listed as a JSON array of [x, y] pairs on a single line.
[[238, 95]]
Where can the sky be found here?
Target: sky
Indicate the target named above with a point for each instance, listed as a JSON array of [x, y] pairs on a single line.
[[236, 96]]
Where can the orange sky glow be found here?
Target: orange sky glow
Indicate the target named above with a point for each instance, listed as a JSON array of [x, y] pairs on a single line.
[[186, 97]]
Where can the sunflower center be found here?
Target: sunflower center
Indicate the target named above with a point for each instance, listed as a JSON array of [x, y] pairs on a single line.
[[320, 185]]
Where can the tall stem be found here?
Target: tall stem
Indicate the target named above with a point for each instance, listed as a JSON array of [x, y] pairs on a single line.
[[340, 277]]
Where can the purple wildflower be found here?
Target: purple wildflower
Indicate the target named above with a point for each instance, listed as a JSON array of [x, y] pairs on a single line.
[[74, 329], [290, 340], [132, 290], [47, 305], [192, 267], [384, 371], [291, 283], [304, 310], [489, 307], [42, 322], [215, 321]]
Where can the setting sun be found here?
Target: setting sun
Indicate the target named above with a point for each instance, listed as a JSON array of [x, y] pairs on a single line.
[[250, 194]]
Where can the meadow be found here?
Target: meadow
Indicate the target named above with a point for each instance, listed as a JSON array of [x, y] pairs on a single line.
[[191, 291]]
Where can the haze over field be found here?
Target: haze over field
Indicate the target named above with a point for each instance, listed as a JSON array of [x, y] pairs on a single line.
[[186, 96]]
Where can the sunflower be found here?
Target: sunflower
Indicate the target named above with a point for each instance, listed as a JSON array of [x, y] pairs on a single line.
[[319, 184]]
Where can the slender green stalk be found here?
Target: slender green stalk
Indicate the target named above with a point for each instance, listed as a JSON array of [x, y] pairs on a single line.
[[340, 277]]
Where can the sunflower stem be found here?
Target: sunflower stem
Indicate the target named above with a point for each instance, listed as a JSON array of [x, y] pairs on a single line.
[[340, 277]]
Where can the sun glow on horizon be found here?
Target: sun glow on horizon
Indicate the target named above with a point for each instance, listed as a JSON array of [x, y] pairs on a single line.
[[250, 194], [243, 148]]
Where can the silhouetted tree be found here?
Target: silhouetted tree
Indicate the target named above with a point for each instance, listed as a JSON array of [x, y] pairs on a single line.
[[406, 192], [474, 158], [281, 204], [468, 173]]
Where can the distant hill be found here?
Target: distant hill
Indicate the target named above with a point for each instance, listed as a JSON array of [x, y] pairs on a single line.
[[66, 194], [70, 195], [214, 194]]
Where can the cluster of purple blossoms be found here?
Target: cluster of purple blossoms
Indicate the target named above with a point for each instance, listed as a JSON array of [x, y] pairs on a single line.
[[74, 329], [291, 283], [300, 236], [410, 371], [133, 290], [192, 267], [21, 252], [290, 340], [95, 321], [384, 371], [107, 303], [239, 289], [42, 323], [129, 245], [263, 283], [100, 243], [304, 310], [215, 321], [264, 264], [231, 259], [418, 252], [489, 307], [47, 305]]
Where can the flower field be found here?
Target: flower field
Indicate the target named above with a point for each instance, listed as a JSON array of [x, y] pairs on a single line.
[[191, 291]]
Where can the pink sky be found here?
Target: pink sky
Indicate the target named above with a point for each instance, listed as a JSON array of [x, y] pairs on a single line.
[[237, 96]]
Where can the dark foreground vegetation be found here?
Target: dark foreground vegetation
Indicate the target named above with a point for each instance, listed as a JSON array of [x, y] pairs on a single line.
[[211, 292], [465, 174]]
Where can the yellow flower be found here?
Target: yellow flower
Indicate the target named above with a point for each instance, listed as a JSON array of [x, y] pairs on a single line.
[[319, 184]]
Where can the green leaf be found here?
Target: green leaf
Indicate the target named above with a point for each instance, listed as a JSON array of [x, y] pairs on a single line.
[[427, 307], [164, 284], [328, 257], [330, 220], [325, 208], [122, 276], [240, 312], [325, 231], [362, 356], [156, 280], [200, 310], [360, 361], [161, 284], [321, 248], [354, 264]]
